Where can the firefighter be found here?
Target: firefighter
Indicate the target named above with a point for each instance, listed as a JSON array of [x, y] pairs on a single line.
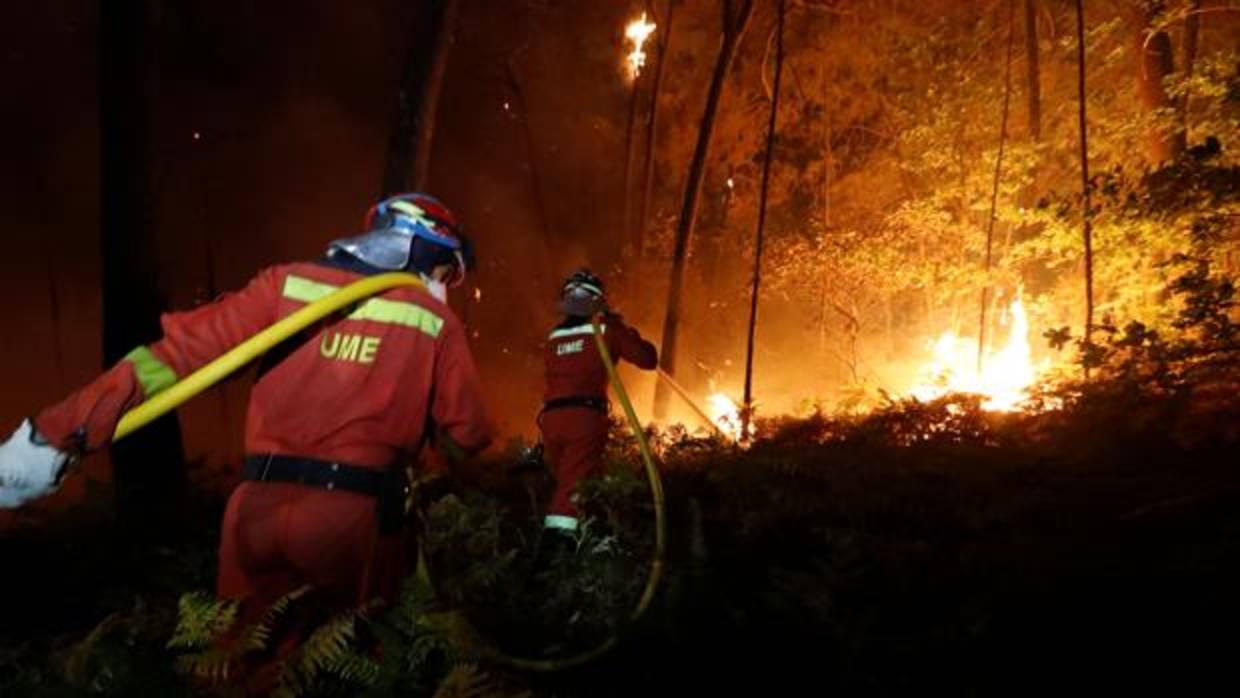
[[574, 417], [333, 416]]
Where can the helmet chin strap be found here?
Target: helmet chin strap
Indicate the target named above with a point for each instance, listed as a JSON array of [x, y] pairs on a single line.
[[438, 289], [458, 277]]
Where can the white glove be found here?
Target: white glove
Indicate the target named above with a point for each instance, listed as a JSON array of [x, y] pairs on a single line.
[[30, 467]]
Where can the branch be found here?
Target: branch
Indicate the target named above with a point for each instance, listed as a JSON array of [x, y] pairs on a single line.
[[1152, 31]]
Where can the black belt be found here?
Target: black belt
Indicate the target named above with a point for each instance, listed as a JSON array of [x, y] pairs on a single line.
[[588, 401], [314, 473]]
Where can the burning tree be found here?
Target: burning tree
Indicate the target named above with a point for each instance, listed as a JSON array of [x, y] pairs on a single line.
[[907, 102]]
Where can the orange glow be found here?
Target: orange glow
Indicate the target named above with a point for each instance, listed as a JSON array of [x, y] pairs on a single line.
[[637, 32], [1007, 372], [726, 415]]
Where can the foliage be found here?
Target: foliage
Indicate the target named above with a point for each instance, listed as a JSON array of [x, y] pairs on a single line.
[[885, 154]]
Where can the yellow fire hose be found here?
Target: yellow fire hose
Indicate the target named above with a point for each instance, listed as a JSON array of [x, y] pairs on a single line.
[[660, 530], [256, 346], [219, 369]]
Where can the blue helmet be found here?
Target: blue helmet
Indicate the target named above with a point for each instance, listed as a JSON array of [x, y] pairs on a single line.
[[410, 232]]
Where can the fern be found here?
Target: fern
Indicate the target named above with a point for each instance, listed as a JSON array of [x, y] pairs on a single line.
[[77, 666], [201, 620], [467, 681], [354, 668], [258, 636], [327, 654]]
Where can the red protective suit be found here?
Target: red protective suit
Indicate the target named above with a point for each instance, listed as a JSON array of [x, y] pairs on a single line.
[[574, 437], [359, 389]]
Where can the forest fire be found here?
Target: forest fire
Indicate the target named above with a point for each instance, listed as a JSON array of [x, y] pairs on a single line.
[[726, 415], [637, 32], [1006, 372]]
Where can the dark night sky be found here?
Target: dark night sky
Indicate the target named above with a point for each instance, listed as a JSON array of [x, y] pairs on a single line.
[[292, 104]]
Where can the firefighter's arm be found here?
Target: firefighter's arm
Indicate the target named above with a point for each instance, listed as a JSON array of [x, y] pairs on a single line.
[[458, 408], [630, 345], [86, 420]]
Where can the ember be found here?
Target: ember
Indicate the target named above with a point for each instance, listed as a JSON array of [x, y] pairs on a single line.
[[637, 32]]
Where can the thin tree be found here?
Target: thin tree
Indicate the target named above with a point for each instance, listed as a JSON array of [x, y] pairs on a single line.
[[148, 467], [1087, 213], [520, 110], [994, 189], [426, 59], [747, 411], [1033, 77], [664, 46], [630, 145], [736, 16], [1155, 62], [1192, 36]]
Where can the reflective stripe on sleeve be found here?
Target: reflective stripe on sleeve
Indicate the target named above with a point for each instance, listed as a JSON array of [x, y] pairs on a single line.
[[154, 375]]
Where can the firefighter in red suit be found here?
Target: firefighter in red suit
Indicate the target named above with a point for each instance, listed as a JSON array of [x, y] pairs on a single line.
[[333, 416], [574, 417]]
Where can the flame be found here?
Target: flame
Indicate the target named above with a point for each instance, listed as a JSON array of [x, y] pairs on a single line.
[[1006, 375], [637, 32], [726, 415]]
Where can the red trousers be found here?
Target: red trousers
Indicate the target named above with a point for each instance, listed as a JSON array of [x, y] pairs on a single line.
[[573, 443], [278, 537]]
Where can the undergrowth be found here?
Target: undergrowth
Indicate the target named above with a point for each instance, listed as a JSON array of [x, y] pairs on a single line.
[[920, 546]]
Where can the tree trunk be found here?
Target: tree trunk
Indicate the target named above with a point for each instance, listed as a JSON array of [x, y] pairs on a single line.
[[994, 190], [652, 123], [426, 59], [630, 145], [1033, 77], [1155, 62], [747, 411], [534, 178], [712, 246], [734, 25], [148, 467], [1192, 37], [1086, 187]]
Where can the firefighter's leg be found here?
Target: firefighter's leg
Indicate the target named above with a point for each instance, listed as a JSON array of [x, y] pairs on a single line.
[[582, 436], [251, 563], [333, 541]]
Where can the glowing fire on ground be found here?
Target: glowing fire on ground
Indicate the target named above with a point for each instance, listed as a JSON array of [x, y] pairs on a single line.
[[637, 32], [1007, 372], [726, 415]]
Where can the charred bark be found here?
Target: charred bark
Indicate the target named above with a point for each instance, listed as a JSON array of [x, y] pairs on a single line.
[[1087, 213], [407, 164], [994, 190], [1033, 73], [630, 145], [735, 22], [1165, 140], [148, 467], [1192, 38], [541, 209], [652, 125], [756, 285]]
